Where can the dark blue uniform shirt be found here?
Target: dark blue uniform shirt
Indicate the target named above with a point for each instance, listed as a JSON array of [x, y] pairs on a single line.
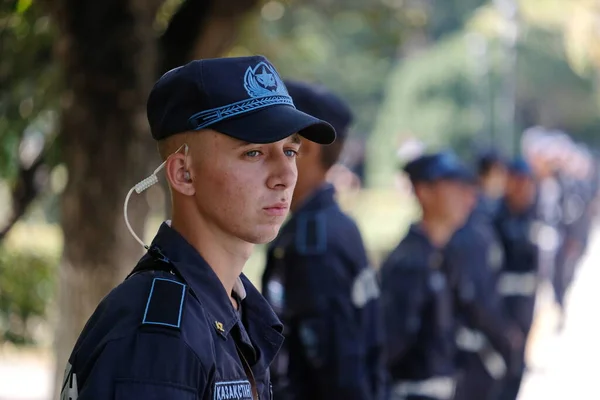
[[419, 310], [518, 280], [477, 250], [319, 281], [428, 293], [160, 335]]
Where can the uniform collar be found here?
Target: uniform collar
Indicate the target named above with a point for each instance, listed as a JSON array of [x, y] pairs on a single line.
[[320, 199], [263, 325], [416, 229], [487, 205]]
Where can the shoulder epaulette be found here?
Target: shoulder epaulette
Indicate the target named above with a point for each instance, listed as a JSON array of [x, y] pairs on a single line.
[[165, 303], [311, 233]]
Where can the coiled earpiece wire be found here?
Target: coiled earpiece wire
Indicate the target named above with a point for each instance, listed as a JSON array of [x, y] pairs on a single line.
[[141, 187]]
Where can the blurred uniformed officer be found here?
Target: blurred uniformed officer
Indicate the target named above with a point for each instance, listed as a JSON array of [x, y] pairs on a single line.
[[542, 158], [575, 178], [518, 281], [485, 361], [491, 168], [187, 324], [425, 287], [319, 280]]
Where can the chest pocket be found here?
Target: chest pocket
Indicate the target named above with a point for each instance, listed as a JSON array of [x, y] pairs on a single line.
[[231, 380]]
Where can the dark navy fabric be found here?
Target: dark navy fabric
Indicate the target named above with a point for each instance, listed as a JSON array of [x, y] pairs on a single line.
[[243, 97], [319, 102], [438, 166], [480, 253], [319, 281], [419, 311], [518, 236], [145, 342], [428, 294]]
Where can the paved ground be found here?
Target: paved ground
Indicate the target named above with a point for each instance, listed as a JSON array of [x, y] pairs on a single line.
[[565, 365]]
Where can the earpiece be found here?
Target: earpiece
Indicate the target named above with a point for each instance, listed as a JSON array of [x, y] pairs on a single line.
[[187, 176]]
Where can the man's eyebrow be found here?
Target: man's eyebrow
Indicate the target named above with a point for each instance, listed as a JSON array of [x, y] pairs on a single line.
[[242, 143], [295, 138]]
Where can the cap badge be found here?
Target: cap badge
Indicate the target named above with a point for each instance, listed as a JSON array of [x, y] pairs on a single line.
[[263, 80]]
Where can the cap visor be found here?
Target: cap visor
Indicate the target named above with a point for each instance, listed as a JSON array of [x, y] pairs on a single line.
[[459, 176], [275, 123]]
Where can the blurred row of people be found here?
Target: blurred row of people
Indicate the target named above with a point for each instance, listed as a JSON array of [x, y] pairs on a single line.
[[449, 312]]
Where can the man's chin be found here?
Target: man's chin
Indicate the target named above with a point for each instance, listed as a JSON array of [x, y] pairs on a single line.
[[265, 235]]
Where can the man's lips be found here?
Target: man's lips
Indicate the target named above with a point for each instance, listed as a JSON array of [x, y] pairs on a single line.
[[277, 209]]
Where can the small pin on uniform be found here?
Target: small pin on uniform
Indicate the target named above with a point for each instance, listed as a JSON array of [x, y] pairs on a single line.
[[279, 252], [219, 326]]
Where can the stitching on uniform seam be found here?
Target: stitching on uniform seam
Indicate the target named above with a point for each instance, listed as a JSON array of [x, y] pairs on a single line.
[[161, 383]]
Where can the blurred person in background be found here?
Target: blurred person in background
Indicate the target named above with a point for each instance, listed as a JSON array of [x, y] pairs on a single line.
[[541, 157], [319, 280], [518, 280], [491, 169], [572, 206], [485, 361], [426, 291], [575, 178]]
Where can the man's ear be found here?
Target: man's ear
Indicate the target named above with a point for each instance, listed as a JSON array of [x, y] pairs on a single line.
[[179, 175]]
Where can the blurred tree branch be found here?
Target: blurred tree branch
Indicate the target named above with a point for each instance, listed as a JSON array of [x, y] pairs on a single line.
[[25, 191], [203, 28]]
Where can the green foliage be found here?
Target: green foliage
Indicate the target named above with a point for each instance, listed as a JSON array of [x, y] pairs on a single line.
[[444, 96], [560, 97], [431, 96], [348, 46], [26, 285], [28, 79], [449, 16]]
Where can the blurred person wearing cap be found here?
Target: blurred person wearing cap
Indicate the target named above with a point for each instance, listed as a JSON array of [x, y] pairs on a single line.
[[575, 176], [187, 323], [518, 280], [492, 174], [485, 360], [542, 160], [318, 278], [426, 289]]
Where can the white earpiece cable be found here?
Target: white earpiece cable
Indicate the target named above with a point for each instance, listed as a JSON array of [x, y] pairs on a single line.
[[139, 188]]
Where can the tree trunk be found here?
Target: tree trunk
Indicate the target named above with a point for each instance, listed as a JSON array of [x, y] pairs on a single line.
[[111, 59], [108, 55]]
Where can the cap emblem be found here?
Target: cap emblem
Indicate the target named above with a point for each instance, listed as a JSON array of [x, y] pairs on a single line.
[[263, 80]]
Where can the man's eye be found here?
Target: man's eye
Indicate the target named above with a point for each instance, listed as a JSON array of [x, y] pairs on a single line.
[[253, 153], [291, 153]]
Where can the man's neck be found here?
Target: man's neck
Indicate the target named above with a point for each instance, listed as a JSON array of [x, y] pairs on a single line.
[[438, 232], [489, 190], [224, 254]]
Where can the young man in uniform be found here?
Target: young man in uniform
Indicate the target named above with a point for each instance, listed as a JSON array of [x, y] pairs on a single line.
[[477, 249], [518, 278], [319, 281], [491, 170], [187, 324], [427, 289]]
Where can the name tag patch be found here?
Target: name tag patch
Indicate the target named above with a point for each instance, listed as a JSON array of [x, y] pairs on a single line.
[[233, 390]]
